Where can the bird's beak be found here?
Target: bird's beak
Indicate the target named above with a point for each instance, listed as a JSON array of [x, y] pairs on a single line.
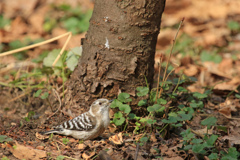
[[110, 101]]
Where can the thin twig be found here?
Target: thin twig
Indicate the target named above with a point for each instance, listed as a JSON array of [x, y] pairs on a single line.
[[174, 41], [170, 54], [63, 48], [14, 99], [159, 74], [136, 154], [34, 45], [60, 103]]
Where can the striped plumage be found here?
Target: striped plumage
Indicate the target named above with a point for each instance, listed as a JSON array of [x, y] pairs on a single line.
[[88, 125]]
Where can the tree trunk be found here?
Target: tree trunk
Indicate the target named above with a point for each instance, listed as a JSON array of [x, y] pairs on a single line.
[[118, 51]]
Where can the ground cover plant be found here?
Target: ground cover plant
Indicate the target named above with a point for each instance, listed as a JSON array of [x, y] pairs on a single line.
[[190, 112]]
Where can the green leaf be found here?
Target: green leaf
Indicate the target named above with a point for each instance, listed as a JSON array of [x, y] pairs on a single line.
[[212, 140], [18, 44], [144, 139], [161, 101], [233, 25], [198, 104], [155, 108], [187, 147], [65, 140], [200, 95], [138, 124], [237, 96], [125, 108], [143, 120], [150, 109], [151, 121], [210, 121], [223, 128], [132, 116], [61, 157], [181, 89], [142, 102], [176, 81], [5, 158], [118, 115], [47, 70], [184, 117], [27, 119], [49, 24], [189, 110], [45, 95], [206, 56], [196, 141], [30, 114], [208, 92], [115, 103], [213, 156], [142, 91], [124, 97], [37, 94], [4, 21], [187, 135], [231, 155], [119, 121], [4, 138], [197, 148], [72, 57], [71, 24], [48, 61], [170, 120], [177, 125], [181, 106]]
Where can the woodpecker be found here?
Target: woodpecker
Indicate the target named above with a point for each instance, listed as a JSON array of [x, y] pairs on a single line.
[[88, 125]]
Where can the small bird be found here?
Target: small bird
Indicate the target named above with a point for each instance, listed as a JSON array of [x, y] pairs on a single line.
[[88, 125]]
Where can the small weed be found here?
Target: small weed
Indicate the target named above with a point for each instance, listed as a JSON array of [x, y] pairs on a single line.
[[207, 56], [65, 140], [5, 158], [233, 25], [4, 138], [60, 157], [4, 21], [29, 116], [124, 109], [74, 19]]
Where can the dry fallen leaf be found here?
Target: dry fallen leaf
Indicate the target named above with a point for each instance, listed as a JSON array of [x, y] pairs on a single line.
[[233, 139], [191, 70], [227, 107], [226, 65], [173, 158], [88, 155], [153, 137], [204, 131], [22, 152], [41, 137], [81, 146], [112, 128], [117, 139]]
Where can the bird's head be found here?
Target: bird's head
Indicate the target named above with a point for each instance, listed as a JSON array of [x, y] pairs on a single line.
[[100, 106]]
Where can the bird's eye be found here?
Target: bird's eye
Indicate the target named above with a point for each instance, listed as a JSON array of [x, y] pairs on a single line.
[[100, 103]]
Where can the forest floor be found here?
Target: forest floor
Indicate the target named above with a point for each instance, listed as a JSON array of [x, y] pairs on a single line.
[[196, 117]]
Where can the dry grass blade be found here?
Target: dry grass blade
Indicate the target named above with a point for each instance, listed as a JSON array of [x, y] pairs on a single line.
[[170, 54], [69, 34], [159, 74]]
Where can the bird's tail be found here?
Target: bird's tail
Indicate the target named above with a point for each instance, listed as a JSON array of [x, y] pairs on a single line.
[[57, 130]]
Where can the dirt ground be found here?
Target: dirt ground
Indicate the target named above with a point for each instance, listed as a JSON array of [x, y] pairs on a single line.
[[206, 29]]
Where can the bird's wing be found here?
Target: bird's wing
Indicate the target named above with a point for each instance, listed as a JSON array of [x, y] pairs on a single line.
[[83, 122]]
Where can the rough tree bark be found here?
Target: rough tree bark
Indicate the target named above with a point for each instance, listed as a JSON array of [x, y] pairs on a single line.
[[118, 50]]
